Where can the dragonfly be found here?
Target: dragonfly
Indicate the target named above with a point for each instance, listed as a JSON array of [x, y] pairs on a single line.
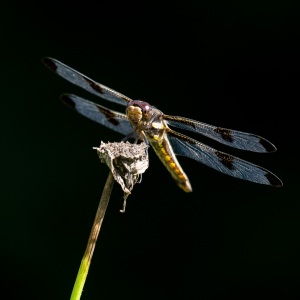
[[145, 122]]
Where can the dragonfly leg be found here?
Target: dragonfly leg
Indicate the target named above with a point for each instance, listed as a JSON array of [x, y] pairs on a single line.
[[128, 136]]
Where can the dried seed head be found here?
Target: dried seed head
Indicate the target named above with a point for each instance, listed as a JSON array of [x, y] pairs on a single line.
[[126, 161]]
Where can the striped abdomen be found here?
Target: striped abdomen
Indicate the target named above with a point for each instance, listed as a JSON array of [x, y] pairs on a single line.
[[163, 149]]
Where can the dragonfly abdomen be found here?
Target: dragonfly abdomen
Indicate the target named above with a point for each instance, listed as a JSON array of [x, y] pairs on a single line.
[[165, 153]]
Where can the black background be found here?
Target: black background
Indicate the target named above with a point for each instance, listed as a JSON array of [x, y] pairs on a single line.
[[233, 64]]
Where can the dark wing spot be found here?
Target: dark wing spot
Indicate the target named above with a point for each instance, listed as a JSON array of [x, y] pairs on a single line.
[[48, 62], [65, 99], [109, 115], [225, 134], [267, 145], [96, 87], [225, 159], [274, 181]]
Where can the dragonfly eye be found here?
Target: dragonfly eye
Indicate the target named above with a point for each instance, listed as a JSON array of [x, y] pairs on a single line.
[[146, 107]]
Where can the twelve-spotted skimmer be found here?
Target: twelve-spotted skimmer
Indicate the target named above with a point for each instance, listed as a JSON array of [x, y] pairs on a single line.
[[148, 123]]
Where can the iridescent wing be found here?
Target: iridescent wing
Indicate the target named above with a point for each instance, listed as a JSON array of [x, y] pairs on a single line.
[[233, 138], [220, 161], [100, 114], [85, 82]]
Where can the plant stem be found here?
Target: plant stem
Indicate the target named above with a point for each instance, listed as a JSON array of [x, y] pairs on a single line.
[[87, 257]]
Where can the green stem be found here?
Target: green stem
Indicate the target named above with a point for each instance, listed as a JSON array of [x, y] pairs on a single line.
[[87, 257]]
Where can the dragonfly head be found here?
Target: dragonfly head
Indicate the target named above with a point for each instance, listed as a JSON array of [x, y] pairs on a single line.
[[145, 107], [138, 111]]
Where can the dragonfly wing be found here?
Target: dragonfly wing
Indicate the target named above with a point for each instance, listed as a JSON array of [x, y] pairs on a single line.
[[100, 114], [233, 138], [220, 161], [84, 82]]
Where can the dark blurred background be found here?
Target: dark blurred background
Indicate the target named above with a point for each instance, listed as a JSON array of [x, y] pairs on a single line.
[[231, 64]]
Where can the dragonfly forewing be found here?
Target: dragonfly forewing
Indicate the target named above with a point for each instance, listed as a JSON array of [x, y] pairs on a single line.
[[85, 82], [233, 138]]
